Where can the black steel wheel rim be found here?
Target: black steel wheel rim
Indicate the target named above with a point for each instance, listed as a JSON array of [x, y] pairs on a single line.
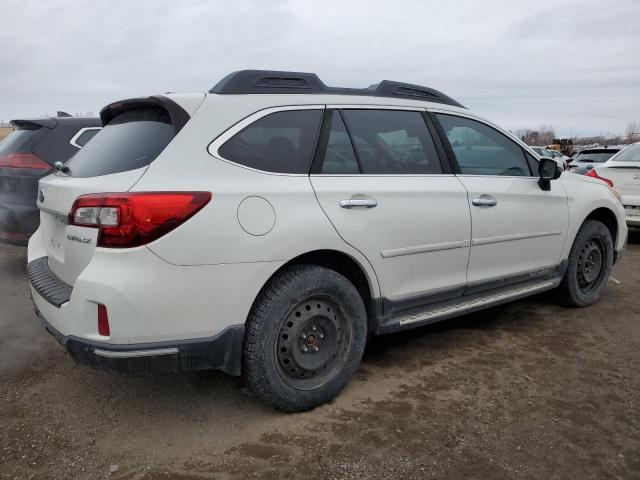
[[591, 265], [312, 343]]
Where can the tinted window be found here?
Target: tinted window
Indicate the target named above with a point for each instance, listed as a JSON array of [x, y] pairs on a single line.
[[339, 157], [594, 157], [533, 163], [133, 139], [282, 142], [20, 140], [629, 154], [482, 150], [392, 142], [86, 136]]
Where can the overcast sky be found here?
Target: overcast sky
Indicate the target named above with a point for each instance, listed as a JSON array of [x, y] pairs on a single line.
[[574, 64]]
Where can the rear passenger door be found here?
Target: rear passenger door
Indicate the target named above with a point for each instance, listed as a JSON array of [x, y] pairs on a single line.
[[379, 178], [517, 228]]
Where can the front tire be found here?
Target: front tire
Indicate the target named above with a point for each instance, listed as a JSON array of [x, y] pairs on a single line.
[[305, 337], [589, 268]]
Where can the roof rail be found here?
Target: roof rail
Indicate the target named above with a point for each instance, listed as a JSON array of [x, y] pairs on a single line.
[[267, 81]]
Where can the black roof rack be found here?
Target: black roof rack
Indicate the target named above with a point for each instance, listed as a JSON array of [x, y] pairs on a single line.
[[267, 81]]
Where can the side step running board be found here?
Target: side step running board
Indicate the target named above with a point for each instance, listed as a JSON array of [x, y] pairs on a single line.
[[460, 306]]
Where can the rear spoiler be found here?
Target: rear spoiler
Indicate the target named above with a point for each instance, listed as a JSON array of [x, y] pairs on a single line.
[[39, 122], [179, 117]]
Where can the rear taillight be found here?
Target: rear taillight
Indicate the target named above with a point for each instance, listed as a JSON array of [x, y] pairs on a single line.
[[24, 160], [593, 174], [132, 219]]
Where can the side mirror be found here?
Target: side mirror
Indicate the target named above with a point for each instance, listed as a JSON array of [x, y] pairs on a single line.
[[548, 169]]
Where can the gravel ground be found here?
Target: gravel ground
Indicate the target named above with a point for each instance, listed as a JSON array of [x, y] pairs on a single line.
[[526, 390]]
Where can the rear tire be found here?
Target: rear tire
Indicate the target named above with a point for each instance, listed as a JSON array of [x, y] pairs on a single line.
[[589, 268], [305, 337]]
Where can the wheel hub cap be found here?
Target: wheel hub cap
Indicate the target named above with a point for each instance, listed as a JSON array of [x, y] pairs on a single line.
[[590, 265], [310, 340]]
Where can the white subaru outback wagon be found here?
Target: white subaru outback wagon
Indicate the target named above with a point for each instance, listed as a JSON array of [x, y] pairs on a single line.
[[269, 227]]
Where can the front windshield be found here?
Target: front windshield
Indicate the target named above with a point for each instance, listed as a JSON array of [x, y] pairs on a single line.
[[629, 154]]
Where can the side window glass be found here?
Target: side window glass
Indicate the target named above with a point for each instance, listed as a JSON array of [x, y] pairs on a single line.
[[482, 150], [86, 136], [392, 142], [339, 157], [282, 142]]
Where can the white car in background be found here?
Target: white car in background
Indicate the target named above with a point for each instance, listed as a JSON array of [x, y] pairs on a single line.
[[272, 225], [622, 172], [548, 153]]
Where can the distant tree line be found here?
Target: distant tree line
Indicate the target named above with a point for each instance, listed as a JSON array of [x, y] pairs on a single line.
[[632, 132], [545, 134]]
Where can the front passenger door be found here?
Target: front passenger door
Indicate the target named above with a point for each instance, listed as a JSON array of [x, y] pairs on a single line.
[[517, 228]]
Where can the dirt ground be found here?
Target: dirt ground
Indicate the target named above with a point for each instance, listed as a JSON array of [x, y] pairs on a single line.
[[526, 390], [5, 131]]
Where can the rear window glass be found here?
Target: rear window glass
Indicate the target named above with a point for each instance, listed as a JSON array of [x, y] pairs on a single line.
[[282, 142], [594, 157], [133, 139], [629, 154], [20, 140]]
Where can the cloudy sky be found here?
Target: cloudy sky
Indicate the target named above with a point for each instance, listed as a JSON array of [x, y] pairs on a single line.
[[573, 64]]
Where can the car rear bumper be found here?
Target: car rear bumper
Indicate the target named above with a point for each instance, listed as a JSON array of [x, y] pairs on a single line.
[[221, 352], [632, 209], [152, 306]]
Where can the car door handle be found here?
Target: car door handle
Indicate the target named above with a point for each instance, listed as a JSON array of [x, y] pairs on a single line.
[[484, 201], [358, 202]]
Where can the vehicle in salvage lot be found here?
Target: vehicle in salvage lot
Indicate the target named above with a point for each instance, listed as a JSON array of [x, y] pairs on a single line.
[[588, 158], [26, 155], [622, 172], [269, 227]]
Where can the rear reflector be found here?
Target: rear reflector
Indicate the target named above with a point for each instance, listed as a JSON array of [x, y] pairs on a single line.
[[129, 220], [593, 174], [24, 160], [103, 321]]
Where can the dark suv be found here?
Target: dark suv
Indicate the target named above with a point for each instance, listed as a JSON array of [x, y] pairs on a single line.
[[28, 154]]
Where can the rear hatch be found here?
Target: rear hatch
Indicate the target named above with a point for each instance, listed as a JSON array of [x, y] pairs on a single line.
[[624, 171], [19, 165], [20, 169], [135, 133]]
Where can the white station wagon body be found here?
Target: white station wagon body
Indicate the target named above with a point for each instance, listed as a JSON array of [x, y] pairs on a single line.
[[420, 242]]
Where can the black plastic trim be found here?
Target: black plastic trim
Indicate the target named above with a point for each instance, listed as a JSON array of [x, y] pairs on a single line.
[[437, 141], [450, 155], [220, 352], [48, 286], [277, 82], [353, 144], [321, 144]]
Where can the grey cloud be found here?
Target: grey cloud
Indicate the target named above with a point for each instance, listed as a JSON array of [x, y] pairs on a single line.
[[570, 63]]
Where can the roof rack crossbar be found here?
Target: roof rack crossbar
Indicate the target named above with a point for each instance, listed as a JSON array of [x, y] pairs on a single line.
[[267, 81]]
